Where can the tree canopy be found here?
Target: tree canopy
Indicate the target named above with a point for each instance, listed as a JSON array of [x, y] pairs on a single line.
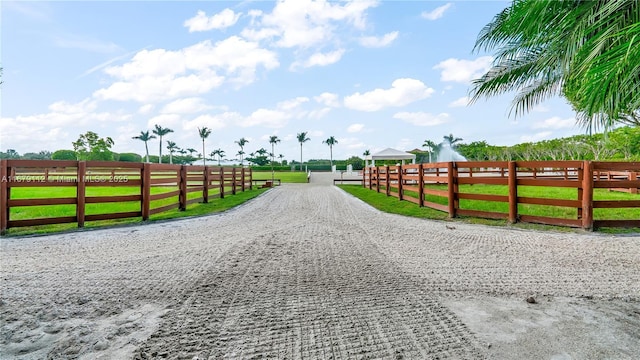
[[90, 146], [586, 51]]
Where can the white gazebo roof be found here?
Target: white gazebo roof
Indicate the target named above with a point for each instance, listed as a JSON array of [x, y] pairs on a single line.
[[391, 154]]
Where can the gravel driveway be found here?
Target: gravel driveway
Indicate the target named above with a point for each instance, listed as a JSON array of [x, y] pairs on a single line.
[[307, 271]]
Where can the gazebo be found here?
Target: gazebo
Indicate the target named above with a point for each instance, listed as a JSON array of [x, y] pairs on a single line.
[[389, 154]]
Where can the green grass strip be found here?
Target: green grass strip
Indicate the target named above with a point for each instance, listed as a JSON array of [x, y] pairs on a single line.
[[197, 209], [391, 204]]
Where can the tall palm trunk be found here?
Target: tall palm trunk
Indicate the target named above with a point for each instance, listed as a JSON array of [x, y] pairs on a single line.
[[204, 155]]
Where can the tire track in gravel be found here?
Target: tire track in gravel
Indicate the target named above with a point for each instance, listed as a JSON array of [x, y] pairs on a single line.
[[313, 285]]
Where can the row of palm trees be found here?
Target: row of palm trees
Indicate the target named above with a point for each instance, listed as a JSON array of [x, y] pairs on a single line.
[[204, 132]]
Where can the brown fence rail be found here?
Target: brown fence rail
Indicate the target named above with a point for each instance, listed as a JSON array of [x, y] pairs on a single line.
[[148, 188], [437, 186]]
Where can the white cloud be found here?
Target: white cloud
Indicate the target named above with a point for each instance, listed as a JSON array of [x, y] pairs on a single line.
[[436, 13], [422, 118], [186, 106], [165, 120], [354, 128], [83, 107], [152, 89], [221, 20], [278, 117], [463, 71], [268, 118], [536, 137], [319, 59], [213, 122], [318, 113], [402, 92], [461, 102], [328, 99], [292, 104], [316, 133], [375, 42], [145, 109], [161, 74], [540, 109], [555, 123], [157, 62], [46, 131], [351, 143], [306, 23], [404, 144]]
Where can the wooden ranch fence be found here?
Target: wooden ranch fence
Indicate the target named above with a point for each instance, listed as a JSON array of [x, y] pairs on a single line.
[[425, 184], [147, 188]]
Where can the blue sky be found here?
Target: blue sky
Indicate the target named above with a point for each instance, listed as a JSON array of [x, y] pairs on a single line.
[[373, 74]]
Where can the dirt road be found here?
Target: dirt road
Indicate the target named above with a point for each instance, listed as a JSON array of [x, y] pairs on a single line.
[[306, 271]]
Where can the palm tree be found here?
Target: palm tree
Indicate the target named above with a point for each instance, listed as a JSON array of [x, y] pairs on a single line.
[[585, 51], [302, 138], [331, 141], [204, 133], [273, 140], [240, 154], [219, 153], [160, 131], [144, 136], [451, 140], [172, 147], [432, 146], [280, 157], [261, 151], [242, 142], [365, 154]]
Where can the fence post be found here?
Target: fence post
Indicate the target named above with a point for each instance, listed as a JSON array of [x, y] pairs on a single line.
[[581, 173], [633, 176], [378, 178], [587, 196], [80, 192], [4, 197], [233, 181], [182, 206], [400, 169], [145, 186], [421, 185], [221, 169], [205, 188], [451, 187], [250, 179], [387, 180], [243, 179], [513, 192], [364, 177]]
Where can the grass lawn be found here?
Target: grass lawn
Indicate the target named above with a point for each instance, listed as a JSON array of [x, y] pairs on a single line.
[[393, 205], [284, 176], [31, 212]]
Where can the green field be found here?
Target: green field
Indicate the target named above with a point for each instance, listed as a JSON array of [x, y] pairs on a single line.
[[284, 176], [49, 211], [393, 205], [32, 212]]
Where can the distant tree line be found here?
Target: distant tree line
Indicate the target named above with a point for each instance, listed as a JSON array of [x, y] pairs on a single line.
[[621, 144]]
